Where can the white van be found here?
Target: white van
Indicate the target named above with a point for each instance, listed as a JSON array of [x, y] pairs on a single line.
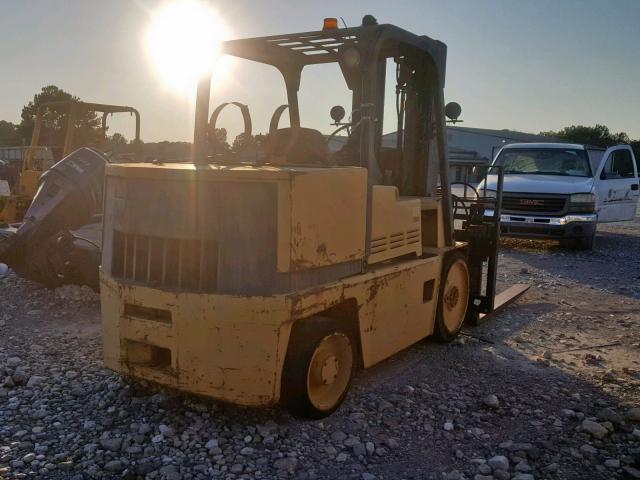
[[559, 190]]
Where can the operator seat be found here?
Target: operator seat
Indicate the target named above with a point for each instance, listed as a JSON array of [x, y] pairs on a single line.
[[297, 146]]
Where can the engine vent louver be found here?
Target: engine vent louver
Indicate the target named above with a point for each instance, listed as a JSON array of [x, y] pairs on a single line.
[[165, 262], [394, 241]]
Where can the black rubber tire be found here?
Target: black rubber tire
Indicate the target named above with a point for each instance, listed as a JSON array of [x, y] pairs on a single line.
[[585, 243], [440, 331], [304, 340]]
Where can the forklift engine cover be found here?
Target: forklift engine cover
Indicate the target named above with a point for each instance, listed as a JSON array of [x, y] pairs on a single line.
[[205, 269]]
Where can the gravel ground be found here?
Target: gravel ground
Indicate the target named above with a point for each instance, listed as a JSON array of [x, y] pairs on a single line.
[[548, 389]]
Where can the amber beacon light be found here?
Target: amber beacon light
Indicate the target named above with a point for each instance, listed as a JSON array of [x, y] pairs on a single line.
[[330, 24]]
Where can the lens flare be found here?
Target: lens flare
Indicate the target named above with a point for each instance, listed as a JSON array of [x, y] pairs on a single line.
[[183, 43]]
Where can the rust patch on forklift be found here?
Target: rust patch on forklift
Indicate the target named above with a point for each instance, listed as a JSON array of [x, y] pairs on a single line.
[[379, 283], [322, 251]]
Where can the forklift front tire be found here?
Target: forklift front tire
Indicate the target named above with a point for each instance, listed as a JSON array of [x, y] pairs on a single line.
[[453, 298], [318, 368]]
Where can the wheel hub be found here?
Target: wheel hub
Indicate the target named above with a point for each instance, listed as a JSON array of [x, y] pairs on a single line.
[[451, 297], [329, 371]]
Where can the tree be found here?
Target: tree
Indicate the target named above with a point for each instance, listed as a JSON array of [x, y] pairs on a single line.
[[88, 131], [221, 136], [9, 135], [598, 135], [635, 144], [116, 142], [241, 142]]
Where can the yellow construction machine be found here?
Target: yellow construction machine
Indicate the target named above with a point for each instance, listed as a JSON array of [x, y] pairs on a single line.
[[274, 281], [15, 202], [58, 240]]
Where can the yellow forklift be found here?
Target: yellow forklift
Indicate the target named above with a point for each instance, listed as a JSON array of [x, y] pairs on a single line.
[[273, 281], [14, 204]]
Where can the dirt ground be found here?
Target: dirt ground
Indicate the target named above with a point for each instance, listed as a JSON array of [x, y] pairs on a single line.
[[549, 388]]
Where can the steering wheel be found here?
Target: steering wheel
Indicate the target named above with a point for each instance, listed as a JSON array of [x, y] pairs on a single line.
[[216, 144], [350, 127]]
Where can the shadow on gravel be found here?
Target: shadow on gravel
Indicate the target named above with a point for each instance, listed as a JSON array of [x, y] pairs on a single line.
[[538, 420], [615, 254]]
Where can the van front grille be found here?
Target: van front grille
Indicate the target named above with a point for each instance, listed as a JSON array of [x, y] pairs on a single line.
[[534, 204], [165, 262]]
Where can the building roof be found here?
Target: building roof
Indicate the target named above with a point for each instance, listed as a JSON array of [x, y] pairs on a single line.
[[545, 145], [459, 155], [505, 134]]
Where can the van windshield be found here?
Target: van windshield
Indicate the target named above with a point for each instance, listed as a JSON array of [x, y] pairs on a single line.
[[545, 161]]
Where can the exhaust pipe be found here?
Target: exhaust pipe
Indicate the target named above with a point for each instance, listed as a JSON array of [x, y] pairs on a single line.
[[201, 128]]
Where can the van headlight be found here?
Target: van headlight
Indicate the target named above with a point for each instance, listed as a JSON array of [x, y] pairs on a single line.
[[582, 198], [582, 203]]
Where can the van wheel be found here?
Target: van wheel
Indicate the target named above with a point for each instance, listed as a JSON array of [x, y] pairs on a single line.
[[453, 298], [318, 368], [585, 243]]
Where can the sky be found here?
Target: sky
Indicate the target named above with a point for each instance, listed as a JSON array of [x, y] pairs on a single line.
[[522, 65]]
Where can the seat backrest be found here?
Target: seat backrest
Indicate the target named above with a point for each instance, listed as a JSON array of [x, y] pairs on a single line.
[[298, 146]]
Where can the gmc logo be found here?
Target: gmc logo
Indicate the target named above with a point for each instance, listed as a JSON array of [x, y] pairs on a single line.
[[531, 201]]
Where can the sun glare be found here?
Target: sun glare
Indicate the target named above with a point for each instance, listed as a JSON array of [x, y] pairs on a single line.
[[183, 42]]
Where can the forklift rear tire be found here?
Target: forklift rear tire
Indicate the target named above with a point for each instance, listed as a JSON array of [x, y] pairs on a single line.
[[318, 368], [453, 298]]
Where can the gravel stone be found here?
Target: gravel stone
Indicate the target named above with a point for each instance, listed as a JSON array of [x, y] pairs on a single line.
[[631, 472], [633, 414], [338, 436], [491, 401], [501, 475], [286, 463], [35, 380], [29, 457], [114, 466], [594, 429], [612, 463], [499, 462], [523, 476], [111, 444], [13, 362]]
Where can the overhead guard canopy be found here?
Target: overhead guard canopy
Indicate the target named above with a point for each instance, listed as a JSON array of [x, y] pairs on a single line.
[[310, 48]]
